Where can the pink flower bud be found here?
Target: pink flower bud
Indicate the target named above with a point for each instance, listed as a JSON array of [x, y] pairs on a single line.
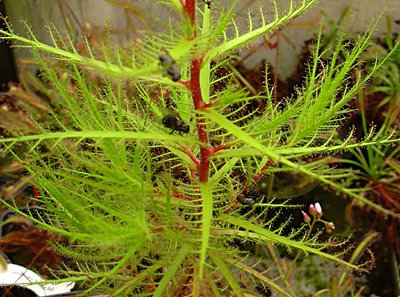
[[306, 217], [312, 210], [330, 225], [318, 209]]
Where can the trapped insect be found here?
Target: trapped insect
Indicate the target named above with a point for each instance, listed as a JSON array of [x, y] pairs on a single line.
[[245, 200], [208, 3], [249, 198], [175, 124], [170, 66]]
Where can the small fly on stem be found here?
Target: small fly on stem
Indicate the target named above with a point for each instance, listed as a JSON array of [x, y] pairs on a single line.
[[175, 124], [169, 65]]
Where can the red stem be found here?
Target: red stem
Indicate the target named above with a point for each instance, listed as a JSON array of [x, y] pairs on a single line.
[[232, 206], [194, 85], [257, 176], [199, 104], [191, 156], [218, 148], [204, 168], [190, 9], [185, 83], [182, 197], [386, 196]]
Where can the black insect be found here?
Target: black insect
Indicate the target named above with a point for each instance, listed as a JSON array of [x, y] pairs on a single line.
[[170, 67], [208, 3], [248, 198], [175, 124], [245, 200]]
